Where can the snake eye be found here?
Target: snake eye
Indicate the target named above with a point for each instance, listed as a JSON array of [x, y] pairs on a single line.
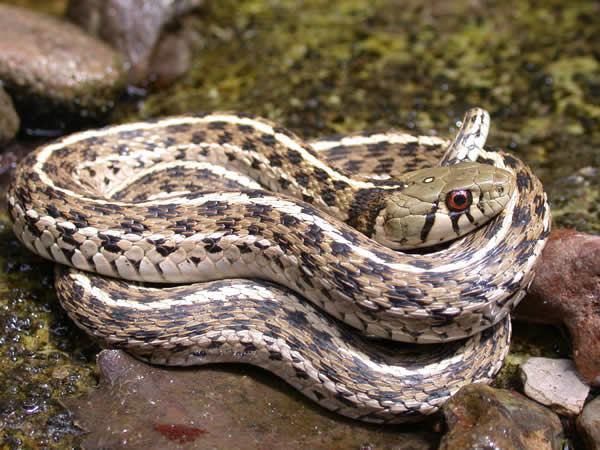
[[459, 200]]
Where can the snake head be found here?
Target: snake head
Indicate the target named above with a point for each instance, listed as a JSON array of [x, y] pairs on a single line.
[[439, 204]]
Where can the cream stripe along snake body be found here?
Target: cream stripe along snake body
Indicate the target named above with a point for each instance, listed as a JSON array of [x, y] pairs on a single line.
[[131, 202]]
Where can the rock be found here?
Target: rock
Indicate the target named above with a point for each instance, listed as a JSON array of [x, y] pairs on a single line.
[[9, 120], [131, 26], [555, 383], [566, 289], [479, 416], [55, 73], [170, 60], [588, 424], [149, 407]]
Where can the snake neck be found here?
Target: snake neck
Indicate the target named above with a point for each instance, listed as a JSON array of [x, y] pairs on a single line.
[[364, 209]]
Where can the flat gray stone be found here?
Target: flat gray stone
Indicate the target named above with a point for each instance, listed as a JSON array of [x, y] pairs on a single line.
[[555, 383], [51, 67], [9, 120]]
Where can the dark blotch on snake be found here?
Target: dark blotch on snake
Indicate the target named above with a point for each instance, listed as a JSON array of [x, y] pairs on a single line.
[[283, 131], [225, 138], [328, 196], [302, 178], [248, 145], [275, 159], [245, 129], [510, 161], [217, 125], [364, 209], [294, 157], [340, 248], [179, 128], [288, 220], [267, 140], [169, 141], [244, 248], [211, 245], [53, 211], [307, 198], [198, 137], [165, 251], [284, 183]]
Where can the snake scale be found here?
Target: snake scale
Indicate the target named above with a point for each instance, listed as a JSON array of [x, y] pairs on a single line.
[[298, 257]]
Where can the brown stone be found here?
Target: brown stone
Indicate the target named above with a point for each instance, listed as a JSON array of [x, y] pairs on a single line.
[[566, 289], [52, 69], [131, 26], [479, 416]]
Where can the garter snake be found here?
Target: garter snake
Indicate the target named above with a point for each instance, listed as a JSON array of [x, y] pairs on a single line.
[[143, 202]]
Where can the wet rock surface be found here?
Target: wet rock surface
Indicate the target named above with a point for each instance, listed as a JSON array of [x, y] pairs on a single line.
[[588, 424], [150, 407], [9, 120], [42, 358], [58, 76], [131, 26], [555, 383], [566, 290], [479, 416]]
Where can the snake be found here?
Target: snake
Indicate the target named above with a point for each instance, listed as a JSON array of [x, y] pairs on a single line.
[[374, 271]]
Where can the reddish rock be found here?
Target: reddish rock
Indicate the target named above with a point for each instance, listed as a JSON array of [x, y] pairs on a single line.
[[566, 289]]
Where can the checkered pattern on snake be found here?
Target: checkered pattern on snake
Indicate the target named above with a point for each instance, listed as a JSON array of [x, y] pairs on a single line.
[[134, 202]]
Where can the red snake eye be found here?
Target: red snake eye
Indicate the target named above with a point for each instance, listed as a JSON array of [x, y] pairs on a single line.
[[459, 200]]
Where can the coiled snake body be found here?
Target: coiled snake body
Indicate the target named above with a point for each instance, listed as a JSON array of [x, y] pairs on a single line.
[[133, 202]]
